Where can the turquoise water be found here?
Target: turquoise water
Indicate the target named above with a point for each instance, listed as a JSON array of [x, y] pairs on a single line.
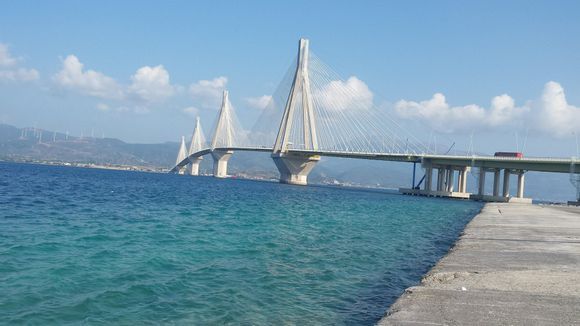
[[95, 246]]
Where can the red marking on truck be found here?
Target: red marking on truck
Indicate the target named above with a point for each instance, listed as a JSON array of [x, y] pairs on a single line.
[[509, 154]]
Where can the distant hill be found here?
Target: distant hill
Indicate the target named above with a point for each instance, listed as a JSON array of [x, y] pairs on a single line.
[[37, 144]]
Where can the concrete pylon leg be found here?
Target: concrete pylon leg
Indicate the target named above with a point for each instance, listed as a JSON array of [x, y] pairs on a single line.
[[428, 178], [461, 180], [294, 169], [440, 179], [520, 184], [481, 185], [193, 167], [496, 182], [220, 163], [506, 183], [464, 180], [451, 176]]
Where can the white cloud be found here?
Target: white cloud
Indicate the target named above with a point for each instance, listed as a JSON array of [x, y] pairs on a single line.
[[124, 109], [350, 95], [504, 111], [9, 70], [260, 102], [550, 115], [191, 111], [209, 92], [6, 59], [89, 82], [442, 117], [151, 84], [20, 74], [103, 107], [553, 115]]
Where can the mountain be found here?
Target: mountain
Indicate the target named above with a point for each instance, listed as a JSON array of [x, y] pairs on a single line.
[[43, 145]]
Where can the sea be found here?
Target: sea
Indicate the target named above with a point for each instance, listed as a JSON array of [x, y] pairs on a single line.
[[90, 246]]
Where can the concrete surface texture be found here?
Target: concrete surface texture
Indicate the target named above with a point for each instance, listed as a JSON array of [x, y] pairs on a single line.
[[514, 264]]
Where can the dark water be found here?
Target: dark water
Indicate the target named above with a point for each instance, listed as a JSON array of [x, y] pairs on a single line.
[[95, 246]]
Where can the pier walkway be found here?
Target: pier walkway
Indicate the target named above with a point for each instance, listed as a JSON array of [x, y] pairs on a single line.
[[514, 265]]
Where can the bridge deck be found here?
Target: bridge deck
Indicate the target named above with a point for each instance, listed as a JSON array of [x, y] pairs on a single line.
[[559, 165]]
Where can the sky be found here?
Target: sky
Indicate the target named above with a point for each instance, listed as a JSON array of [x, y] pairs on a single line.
[[491, 75]]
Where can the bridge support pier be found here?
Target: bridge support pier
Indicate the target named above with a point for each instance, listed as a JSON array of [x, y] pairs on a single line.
[[506, 183], [445, 183], [428, 178], [440, 178], [496, 175], [294, 169], [450, 177], [505, 196], [520, 192], [462, 185], [220, 163], [481, 185], [193, 167]]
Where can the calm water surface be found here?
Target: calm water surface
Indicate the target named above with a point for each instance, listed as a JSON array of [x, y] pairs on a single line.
[[94, 246]]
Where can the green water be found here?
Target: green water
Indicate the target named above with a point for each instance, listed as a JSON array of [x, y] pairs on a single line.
[[112, 247]]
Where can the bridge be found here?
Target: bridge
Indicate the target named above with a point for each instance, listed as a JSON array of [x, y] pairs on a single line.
[[315, 113]]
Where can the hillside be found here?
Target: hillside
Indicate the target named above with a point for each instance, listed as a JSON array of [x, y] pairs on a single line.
[[31, 144]]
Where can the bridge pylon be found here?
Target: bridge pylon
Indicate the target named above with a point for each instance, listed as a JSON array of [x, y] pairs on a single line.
[[197, 143], [181, 155], [294, 168], [223, 137]]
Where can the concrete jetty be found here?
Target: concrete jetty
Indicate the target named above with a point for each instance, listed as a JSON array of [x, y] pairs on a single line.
[[515, 264]]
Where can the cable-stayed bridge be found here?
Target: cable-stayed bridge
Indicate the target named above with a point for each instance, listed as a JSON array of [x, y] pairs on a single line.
[[315, 113]]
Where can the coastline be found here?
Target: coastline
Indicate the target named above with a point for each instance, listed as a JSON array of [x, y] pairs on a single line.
[[513, 264], [101, 166]]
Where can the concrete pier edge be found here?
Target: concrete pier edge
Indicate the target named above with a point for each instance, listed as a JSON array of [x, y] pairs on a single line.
[[514, 264]]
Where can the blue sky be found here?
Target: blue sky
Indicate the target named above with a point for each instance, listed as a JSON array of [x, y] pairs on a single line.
[[405, 52]]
